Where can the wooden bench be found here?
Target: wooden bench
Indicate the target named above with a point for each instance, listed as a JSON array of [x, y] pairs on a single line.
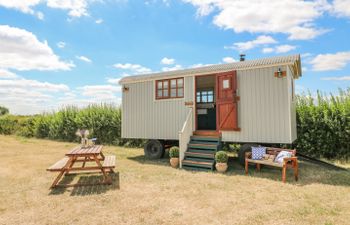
[[109, 162], [59, 165], [290, 162]]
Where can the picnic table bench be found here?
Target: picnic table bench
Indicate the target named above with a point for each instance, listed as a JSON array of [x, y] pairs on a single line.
[[289, 162], [104, 164]]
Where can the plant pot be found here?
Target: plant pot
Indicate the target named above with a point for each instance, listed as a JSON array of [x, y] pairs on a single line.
[[174, 162], [221, 167]]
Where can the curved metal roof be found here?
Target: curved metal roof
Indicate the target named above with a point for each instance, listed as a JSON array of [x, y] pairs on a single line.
[[290, 60]]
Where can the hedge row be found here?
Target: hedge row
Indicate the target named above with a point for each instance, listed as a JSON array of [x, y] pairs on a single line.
[[323, 125], [103, 121]]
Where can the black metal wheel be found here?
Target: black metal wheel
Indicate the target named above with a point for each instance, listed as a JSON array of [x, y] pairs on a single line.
[[154, 149]]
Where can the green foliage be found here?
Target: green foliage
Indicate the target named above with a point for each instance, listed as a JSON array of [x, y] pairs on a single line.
[[103, 122], [174, 152], [3, 110], [8, 124], [323, 125], [221, 157]]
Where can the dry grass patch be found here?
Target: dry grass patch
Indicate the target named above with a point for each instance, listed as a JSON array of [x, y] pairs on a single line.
[[151, 192]]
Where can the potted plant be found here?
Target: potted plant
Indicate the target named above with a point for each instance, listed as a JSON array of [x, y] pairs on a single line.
[[174, 156], [221, 159]]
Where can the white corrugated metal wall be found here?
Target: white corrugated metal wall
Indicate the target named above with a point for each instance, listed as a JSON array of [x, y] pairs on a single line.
[[145, 117], [264, 111]]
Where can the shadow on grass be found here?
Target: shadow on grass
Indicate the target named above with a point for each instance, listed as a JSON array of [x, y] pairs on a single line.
[[309, 173], [83, 179], [143, 160]]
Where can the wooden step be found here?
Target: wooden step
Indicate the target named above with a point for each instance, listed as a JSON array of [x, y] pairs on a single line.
[[199, 159], [211, 133], [204, 142], [200, 155], [208, 165], [204, 146], [205, 138], [206, 151]]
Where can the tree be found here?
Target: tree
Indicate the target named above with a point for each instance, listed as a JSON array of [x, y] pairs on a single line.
[[3, 110]]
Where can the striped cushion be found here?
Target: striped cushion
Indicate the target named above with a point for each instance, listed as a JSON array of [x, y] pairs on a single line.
[[258, 152]]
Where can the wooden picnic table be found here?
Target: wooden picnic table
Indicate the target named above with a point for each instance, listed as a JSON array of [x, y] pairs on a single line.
[[104, 164]]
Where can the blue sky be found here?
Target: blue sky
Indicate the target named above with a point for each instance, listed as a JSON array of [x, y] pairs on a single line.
[[63, 52]]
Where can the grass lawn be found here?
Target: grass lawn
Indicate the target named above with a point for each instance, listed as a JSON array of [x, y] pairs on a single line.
[[151, 192]]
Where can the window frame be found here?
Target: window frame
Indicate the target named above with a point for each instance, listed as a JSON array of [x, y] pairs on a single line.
[[170, 88], [207, 95]]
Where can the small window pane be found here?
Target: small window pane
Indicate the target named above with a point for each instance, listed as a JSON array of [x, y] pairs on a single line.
[[210, 98], [198, 99], [198, 94], [173, 83], [204, 98], [180, 92], [180, 83], [226, 84], [173, 92], [160, 93], [165, 93], [165, 84], [210, 93], [159, 85]]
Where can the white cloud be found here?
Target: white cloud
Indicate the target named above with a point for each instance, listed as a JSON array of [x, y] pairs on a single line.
[[176, 67], [267, 50], [75, 8], [279, 49], [100, 93], [114, 81], [228, 60], [5, 74], [33, 85], [61, 44], [23, 6], [167, 61], [99, 21], [84, 58], [135, 68], [260, 40], [21, 50], [343, 78], [292, 17], [341, 8], [336, 61], [24, 96]]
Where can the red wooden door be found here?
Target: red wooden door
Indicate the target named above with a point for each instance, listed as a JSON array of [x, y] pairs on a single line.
[[226, 101]]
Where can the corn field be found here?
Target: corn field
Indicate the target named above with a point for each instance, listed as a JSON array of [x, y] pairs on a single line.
[[323, 125]]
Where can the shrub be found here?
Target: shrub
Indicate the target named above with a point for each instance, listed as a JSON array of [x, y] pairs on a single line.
[[174, 152], [323, 125], [8, 124], [3, 110], [221, 157]]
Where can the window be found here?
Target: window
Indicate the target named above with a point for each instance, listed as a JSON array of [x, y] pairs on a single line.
[[205, 96], [226, 84], [172, 88]]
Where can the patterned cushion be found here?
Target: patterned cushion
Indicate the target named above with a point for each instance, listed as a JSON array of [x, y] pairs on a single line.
[[282, 155], [258, 152]]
